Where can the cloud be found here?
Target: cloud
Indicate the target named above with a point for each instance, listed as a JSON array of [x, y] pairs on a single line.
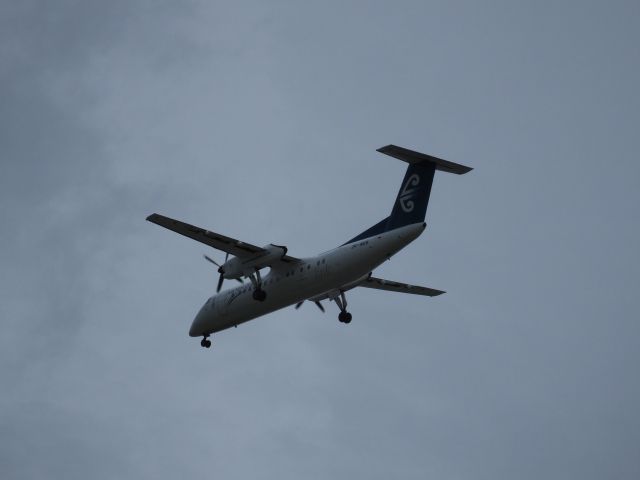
[[261, 122]]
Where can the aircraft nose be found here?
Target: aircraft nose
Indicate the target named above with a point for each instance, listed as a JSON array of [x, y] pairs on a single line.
[[197, 326]]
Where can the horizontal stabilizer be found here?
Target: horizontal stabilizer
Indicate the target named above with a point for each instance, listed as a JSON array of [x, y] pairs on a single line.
[[391, 286], [410, 156]]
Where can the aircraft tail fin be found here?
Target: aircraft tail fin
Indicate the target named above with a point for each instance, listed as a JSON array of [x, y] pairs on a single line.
[[413, 198]]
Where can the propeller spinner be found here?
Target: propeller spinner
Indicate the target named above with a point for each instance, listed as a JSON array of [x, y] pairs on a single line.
[[220, 270]]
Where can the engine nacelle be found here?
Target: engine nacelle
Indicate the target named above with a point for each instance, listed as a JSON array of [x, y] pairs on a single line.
[[243, 267]]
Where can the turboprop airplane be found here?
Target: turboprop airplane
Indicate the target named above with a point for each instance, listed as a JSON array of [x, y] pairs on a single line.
[[327, 276]]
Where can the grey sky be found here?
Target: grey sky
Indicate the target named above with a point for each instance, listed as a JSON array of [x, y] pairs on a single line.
[[260, 120]]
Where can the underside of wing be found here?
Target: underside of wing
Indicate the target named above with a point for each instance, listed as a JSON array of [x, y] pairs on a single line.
[[215, 240], [391, 286]]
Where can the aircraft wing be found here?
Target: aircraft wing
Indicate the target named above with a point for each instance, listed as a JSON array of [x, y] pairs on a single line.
[[391, 286], [230, 245]]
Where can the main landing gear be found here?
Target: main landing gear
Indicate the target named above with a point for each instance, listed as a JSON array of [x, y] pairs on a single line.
[[344, 317], [341, 301], [258, 293], [205, 343]]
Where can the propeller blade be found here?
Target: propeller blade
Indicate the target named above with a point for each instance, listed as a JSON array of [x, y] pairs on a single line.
[[320, 306], [212, 261], [299, 304], [220, 280]]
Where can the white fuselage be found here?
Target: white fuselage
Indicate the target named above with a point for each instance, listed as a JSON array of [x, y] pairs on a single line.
[[287, 284]]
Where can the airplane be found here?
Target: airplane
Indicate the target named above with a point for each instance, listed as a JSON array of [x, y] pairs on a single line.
[[327, 276]]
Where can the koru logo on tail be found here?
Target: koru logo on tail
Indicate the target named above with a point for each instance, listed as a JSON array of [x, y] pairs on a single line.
[[408, 192]]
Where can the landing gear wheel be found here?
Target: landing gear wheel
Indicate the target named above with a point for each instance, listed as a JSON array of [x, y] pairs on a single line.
[[344, 317], [205, 343], [259, 295]]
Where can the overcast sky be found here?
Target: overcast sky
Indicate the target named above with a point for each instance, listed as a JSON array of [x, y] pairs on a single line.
[[260, 120]]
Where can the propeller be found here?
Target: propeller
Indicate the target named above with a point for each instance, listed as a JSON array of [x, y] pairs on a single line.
[[299, 304], [220, 280], [220, 270], [212, 261]]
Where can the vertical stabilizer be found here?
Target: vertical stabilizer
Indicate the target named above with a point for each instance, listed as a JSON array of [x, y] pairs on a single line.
[[413, 198]]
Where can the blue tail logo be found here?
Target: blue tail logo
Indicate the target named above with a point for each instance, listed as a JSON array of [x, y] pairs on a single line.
[[408, 192]]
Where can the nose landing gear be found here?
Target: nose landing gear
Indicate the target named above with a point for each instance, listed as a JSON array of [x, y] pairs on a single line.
[[205, 343]]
